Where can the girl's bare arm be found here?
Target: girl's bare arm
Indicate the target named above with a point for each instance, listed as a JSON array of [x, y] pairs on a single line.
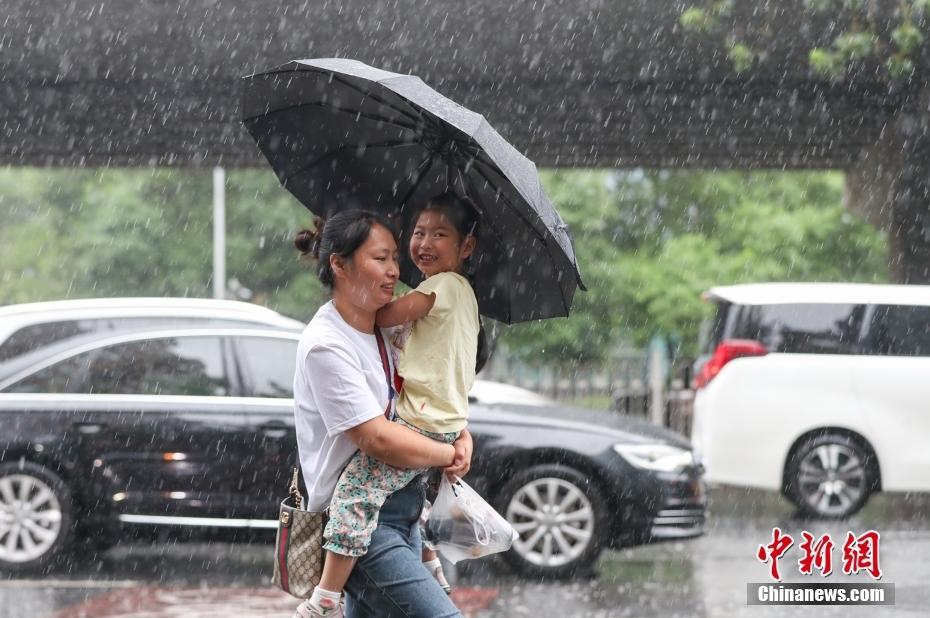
[[407, 308]]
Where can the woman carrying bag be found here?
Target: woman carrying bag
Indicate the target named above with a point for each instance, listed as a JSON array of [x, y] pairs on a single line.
[[342, 400]]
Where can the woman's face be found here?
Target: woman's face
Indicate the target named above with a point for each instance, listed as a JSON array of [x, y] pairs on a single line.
[[368, 278]]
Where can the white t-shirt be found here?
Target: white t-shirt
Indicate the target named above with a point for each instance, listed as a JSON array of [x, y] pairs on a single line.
[[339, 384]]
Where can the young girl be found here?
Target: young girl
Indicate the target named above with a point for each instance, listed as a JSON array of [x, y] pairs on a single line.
[[437, 363]]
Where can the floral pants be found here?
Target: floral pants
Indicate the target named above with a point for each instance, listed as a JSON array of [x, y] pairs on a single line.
[[362, 489]]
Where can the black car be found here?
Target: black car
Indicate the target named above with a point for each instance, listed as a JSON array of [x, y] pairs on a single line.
[[193, 428]]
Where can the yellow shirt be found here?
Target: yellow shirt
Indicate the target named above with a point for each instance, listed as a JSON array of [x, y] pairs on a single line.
[[437, 360]]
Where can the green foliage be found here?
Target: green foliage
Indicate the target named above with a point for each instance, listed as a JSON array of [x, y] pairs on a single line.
[[649, 243], [696, 20], [855, 45], [854, 5], [907, 37], [820, 5], [863, 33], [899, 67], [740, 56], [75, 233], [826, 63]]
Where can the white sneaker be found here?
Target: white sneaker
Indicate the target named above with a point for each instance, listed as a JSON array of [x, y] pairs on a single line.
[[306, 610]]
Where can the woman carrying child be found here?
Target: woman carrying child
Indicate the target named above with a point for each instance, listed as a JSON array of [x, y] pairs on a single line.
[[438, 356]]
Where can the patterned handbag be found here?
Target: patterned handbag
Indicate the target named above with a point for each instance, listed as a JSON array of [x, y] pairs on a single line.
[[298, 552]]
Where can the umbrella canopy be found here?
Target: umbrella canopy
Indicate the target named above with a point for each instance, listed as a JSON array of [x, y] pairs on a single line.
[[340, 134]]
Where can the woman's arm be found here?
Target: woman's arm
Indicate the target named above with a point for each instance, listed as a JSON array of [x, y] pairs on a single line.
[[400, 447], [407, 308]]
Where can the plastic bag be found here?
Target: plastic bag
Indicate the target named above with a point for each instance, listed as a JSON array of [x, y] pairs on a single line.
[[462, 525]]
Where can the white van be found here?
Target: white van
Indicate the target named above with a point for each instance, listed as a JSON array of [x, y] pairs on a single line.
[[821, 391]]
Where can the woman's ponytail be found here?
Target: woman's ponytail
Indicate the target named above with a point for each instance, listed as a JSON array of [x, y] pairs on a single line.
[[342, 234], [308, 241]]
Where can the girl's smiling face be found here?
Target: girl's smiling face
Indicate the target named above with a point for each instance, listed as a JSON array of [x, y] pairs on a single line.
[[436, 246]]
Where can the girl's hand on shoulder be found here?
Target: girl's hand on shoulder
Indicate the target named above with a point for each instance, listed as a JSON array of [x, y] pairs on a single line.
[[461, 463]]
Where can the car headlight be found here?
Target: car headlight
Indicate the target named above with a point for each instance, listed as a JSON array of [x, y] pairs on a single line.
[[658, 457]]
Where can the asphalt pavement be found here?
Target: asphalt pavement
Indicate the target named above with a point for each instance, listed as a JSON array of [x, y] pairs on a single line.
[[700, 577]]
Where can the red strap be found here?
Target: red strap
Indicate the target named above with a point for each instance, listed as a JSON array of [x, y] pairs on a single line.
[[387, 370]]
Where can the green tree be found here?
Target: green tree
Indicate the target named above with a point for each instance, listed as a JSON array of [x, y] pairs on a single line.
[[891, 35], [648, 242], [81, 233]]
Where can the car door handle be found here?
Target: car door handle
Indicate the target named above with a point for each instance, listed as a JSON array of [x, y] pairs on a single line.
[[88, 428], [275, 430]]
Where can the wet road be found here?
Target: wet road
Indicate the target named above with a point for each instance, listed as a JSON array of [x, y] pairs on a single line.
[[701, 577]]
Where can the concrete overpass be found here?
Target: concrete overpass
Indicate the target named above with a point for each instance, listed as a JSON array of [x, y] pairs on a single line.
[[584, 83]]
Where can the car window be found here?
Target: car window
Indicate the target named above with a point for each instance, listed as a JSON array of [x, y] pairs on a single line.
[[37, 336], [899, 330], [166, 366], [64, 377], [712, 329], [801, 328], [268, 364], [169, 366]]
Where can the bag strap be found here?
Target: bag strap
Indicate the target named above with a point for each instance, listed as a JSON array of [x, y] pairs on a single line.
[[382, 349], [294, 488]]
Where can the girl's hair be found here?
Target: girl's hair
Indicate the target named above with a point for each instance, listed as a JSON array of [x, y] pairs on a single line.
[[464, 216], [484, 348], [342, 235], [460, 211]]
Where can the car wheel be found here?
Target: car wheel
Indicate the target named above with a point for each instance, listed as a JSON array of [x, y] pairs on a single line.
[[830, 476], [560, 517], [35, 516]]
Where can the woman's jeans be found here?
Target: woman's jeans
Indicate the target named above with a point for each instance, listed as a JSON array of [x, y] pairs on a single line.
[[390, 580]]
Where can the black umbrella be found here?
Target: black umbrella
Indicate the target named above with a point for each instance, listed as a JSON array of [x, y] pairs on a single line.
[[341, 134]]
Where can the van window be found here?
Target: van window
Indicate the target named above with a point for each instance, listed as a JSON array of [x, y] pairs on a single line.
[[801, 328], [713, 330], [899, 330]]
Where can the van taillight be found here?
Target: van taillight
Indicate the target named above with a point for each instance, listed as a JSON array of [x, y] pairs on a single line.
[[725, 352]]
